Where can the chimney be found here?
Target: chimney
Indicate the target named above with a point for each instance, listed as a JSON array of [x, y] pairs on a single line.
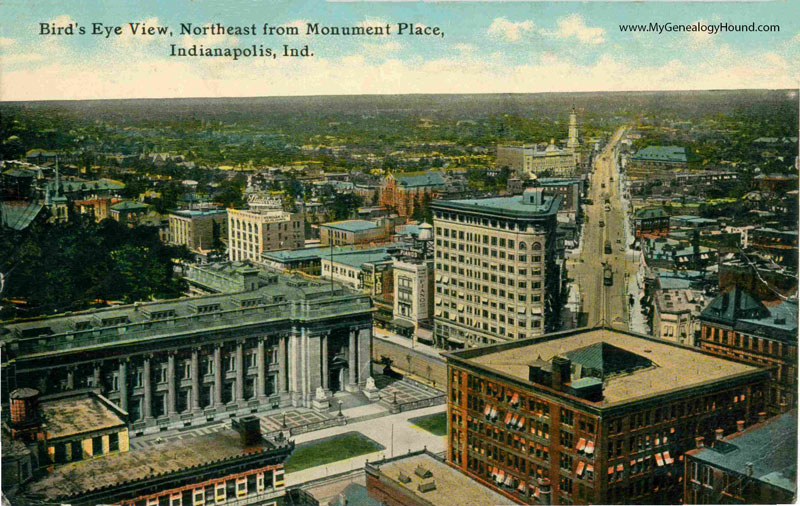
[[739, 425], [562, 372], [762, 417], [249, 428], [719, 434], [783, 406], [544, 491], [24, 403], [698, 442], [748, 469]]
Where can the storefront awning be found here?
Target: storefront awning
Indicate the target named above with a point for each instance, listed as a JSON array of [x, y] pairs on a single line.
[[402, 323], [579, 471], [589, 447], [581, 444]]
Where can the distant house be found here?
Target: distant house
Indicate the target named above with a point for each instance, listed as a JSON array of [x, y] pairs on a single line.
[[651, 222], [654, 159], [348, 232], [128, 211]]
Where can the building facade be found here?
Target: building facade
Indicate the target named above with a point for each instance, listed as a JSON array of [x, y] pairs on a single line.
[[592, 416], [251, 232], [352, 232], [200, 359], [754, 465], [652, 160], [405, 194], [738, 326], [198, 230], [650, 222], [413, 291], [676, 315], [497, 278]]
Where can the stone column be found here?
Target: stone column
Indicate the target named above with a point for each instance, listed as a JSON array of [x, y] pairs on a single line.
[[195, 379], [364, 355], [294, 360], [218, 376], [239, 371], [123, 384], [352, 365], [171, 397], [97, 375], [70, 378], [303, 355], [324, 353], [283, 380], [261, 393], [148, 390]]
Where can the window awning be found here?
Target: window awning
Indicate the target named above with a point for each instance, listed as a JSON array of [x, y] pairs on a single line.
[[514, 420], [445, 279], [659, 460], [581, 466], [508, 417], [515, 399], [438, 277], [493, 414], [438, 300], [460, 307], [501, 475], [509, 481], [437, 312], [620, 468], [589, 447], [581, 444], [453, 316], [667, 458], [523, 488], [487, 409], [610, 470], [633, 462], [589, 468], [521, 422], [521, 310]]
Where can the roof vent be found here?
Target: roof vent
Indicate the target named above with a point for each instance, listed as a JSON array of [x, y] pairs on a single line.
[[403, 478], [427, 486], [422, 472]]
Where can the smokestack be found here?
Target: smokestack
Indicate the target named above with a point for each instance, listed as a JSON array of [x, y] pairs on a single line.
[[762, 416], [698, 441], [544, 491], [249, 428], [739, 425], [719, 434], [562, 372]]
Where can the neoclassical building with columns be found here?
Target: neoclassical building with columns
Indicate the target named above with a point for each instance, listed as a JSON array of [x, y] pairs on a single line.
[[193, 360]]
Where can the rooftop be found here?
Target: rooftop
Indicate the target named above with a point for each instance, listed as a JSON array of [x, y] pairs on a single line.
[[78, 415], [744, 312], [358, 258], [117, 469], [135, 323], [514, 206], [674, 367], [661, 153], [128, 205], [428, 179], [650, 212], [452, 486], [770, 447], [196, 213], [352, 225]]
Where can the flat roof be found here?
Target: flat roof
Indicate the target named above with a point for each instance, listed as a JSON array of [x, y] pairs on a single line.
[[770, 447], [78, 415], [674, 366], [117, 469], [452, 486], [352, 225], [509, 206]]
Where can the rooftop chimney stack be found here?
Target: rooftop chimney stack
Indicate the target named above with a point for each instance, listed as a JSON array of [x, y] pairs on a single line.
[[749, 469], [740, 425], [762, 417], [698, 441], [719, 434], [249, 428], [562, 372]]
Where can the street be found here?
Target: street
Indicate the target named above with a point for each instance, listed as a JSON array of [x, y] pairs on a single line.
[[605, 227]]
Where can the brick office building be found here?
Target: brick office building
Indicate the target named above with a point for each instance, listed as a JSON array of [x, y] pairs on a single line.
[[738, 326], [596, 415]]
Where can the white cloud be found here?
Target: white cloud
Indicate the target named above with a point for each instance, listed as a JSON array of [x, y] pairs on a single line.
[[160, 76], [465, 49], [502, 28], [380, 49], [573, 26]]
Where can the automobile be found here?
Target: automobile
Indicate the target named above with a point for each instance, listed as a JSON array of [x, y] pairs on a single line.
[[602, 185], [607, 208], [619, 241], [602, 223]]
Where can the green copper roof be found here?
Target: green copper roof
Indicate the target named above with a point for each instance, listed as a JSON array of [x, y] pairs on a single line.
[[352, 225], [512, 207], [650, 212], [427, 179], [661, 154]]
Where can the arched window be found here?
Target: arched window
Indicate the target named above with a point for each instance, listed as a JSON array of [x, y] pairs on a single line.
[[522, 245], [536, 246]]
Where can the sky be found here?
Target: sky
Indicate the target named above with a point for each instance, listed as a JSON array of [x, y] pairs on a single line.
[[487, 47]]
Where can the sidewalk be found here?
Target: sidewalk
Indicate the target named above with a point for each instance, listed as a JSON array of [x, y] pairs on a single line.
[[402, 341], [394, 432]]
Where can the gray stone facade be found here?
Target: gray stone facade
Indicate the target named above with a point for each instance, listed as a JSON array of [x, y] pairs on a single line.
[[193, 360]]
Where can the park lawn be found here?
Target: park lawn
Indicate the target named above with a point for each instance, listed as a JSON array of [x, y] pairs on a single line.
[[436, 423], [332, 449]]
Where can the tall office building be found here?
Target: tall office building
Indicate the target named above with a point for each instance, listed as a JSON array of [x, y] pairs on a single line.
[[496, 273]]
